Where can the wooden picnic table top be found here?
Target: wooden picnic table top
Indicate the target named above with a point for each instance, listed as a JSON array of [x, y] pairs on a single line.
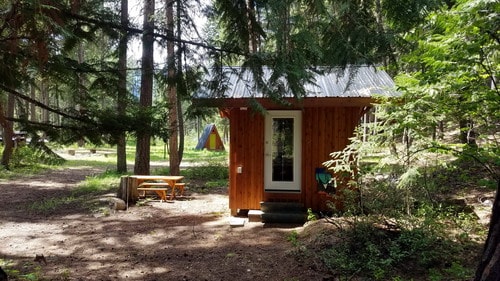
[[140, 181]]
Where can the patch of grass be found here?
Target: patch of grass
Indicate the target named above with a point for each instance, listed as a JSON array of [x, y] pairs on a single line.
[[82, 196], [51, 204], [99, 184], [191, 155], [24, 171], [107, 163], [30, 272]]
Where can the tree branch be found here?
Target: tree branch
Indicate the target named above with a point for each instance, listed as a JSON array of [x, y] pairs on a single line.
[[155, 34], [33, 101], [19, 120]]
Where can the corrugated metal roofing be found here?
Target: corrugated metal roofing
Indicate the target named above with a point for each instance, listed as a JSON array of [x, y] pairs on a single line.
[[354, 81]]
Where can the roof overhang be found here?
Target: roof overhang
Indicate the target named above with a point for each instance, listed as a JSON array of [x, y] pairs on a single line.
[[357, 86], [286, 103]]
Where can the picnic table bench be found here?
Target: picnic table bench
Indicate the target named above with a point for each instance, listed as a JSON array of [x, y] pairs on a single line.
[[159, 184]]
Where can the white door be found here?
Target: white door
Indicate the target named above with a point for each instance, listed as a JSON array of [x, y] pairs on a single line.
[[283, 134]]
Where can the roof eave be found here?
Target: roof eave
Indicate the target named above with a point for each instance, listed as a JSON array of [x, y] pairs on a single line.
[[287, 102]]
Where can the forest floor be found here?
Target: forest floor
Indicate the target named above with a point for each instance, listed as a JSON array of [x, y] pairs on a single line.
[[187, 239]]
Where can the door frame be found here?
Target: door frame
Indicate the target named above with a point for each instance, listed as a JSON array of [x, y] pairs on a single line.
[[282, 186]]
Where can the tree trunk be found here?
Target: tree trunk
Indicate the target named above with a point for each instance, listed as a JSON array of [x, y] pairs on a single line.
[[179, 101], [44, 92], [467, 132], [121, 145], [31, 106], [142, 157], [173, 143], [253, 36], [8, 132], [489, 267], [80, 92], [181, 132]]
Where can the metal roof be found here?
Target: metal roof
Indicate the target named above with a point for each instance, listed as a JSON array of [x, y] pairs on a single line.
[[354, 81]]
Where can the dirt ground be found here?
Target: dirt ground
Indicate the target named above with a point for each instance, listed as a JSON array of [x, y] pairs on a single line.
[[189, 239]]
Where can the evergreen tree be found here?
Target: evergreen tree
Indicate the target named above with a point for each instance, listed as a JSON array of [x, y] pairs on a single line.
[[142, 156]]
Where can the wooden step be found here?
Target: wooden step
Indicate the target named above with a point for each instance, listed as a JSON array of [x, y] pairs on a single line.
[[285, 207], [283, 212], [284, 218]]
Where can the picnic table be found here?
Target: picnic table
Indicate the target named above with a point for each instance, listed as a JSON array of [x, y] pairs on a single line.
[[157, 183]]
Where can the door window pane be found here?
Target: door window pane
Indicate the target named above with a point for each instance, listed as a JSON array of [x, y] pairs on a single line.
[[282, 149]]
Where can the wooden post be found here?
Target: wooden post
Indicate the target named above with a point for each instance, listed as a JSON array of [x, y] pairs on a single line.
[[122, 189], [128, 189], [132, 186]]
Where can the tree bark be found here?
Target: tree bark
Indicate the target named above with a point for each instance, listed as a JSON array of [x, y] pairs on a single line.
[[489, 267], [8, 132], [80, 92], [44, 92], [180, 71], [467, 132], [121, 145], [142, 157], [252, 34], [173, 143], [181, 132], [31, 107]]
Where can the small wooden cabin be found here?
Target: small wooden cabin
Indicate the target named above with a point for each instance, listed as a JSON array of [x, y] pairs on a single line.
[[210, 139], [274, 155]]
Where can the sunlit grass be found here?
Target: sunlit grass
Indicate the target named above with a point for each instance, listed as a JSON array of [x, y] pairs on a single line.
[[191, 157], [34, 169], [105, 182], [159, 152], [102, 163], [91, 187]]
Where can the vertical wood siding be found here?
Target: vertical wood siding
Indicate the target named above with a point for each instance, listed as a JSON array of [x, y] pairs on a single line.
[[246, 151], [324, 130]]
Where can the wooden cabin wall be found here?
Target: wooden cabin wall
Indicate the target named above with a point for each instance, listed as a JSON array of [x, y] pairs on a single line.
[[247, 151], [324, 131]]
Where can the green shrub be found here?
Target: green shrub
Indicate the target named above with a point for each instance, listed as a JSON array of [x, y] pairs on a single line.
[[211, 171], [377, 252], [216, 183], [26, 155], [293, 237]]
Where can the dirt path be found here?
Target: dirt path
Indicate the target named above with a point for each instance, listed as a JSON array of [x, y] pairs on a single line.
[[189, 239]]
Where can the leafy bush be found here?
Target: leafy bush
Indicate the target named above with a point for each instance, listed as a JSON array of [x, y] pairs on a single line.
[[216, 183], [26, 155], [212, 171], [377, 251]]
